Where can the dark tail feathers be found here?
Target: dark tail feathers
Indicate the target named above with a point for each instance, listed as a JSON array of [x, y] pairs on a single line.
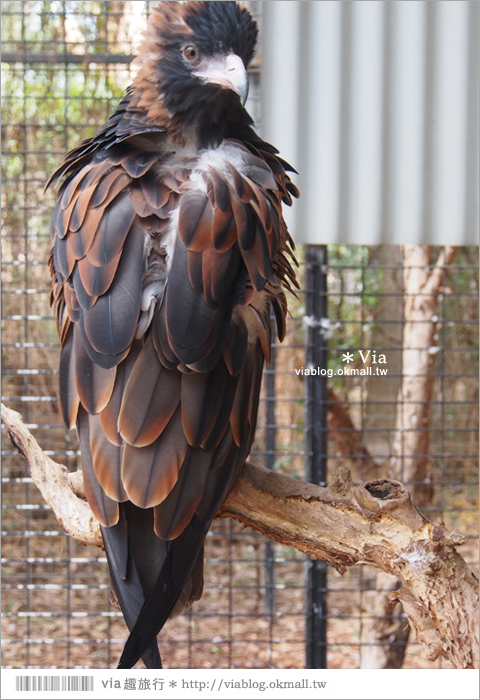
[[153, 579], [179, 565]]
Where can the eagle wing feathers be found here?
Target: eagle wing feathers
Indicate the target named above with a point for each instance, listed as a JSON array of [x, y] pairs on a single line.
[[164, 266]]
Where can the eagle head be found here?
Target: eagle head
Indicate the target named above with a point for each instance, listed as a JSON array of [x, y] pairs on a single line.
[[193, 66]]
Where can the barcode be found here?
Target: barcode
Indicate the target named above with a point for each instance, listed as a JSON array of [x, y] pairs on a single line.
[[52, 683]]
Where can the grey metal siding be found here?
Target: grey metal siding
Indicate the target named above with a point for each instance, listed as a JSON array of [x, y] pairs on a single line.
[[376, 105]]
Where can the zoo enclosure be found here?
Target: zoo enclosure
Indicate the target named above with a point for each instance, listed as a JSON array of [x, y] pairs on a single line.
[[65, 66]]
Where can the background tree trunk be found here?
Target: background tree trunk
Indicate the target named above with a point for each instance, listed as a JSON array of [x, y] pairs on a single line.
[[384, 632]]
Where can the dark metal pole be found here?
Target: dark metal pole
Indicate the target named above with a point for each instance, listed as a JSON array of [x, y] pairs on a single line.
[[316, 448], [270, 445]]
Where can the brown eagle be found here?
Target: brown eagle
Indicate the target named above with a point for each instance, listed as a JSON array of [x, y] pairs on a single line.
[[169, 248]]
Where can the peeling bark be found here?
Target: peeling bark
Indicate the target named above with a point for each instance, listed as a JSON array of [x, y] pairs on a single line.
[[343, 524]]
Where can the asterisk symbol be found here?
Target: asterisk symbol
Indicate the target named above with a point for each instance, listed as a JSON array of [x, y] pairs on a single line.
[[173, 684], [347, 357]]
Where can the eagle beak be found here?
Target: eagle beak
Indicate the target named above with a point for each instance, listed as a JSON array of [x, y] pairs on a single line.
[[229, 72]]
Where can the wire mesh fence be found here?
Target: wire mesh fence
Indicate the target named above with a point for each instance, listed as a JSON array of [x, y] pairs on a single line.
[[65, 65]]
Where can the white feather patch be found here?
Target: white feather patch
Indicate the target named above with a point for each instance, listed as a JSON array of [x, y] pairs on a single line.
[[217, 158], [199, 178]]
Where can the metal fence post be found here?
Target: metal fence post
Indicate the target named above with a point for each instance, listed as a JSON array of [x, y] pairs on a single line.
[[316, 452], [270, 447]]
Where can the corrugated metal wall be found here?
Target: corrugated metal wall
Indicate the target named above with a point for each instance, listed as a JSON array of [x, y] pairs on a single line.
[[376, 105]]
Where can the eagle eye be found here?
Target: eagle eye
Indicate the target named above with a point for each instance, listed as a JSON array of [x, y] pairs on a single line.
[[190, 53]]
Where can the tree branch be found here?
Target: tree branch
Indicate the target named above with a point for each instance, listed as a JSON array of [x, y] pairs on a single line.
[[59, 488], [343, 524]]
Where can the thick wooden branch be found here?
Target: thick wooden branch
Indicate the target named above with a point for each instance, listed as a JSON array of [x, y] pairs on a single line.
[[58, 487], [343, 524]]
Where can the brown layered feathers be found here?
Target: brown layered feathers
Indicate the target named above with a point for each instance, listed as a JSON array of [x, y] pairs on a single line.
[[169, 248]]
